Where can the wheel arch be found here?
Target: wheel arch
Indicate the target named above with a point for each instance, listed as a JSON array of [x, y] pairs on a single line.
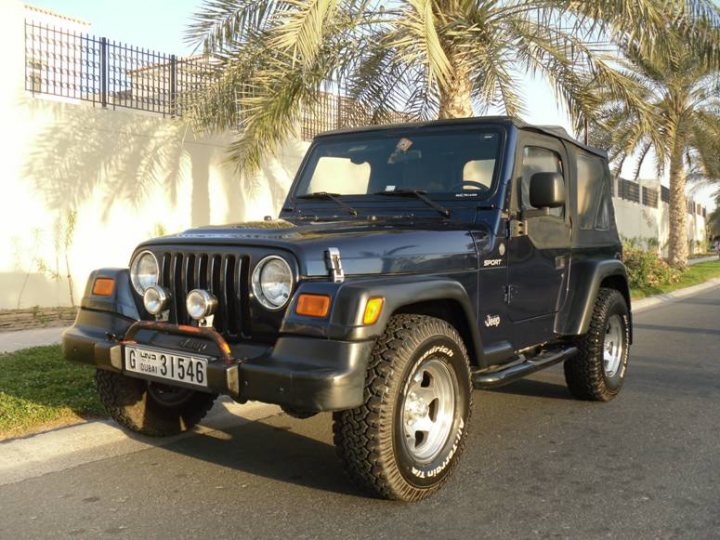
[[452, 311], [586, 279], [435, 296]]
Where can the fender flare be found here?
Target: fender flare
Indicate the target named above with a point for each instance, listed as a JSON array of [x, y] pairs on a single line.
[[586, 277], [349, 298]]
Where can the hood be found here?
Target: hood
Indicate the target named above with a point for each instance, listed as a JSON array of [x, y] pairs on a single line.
[[366, 247]]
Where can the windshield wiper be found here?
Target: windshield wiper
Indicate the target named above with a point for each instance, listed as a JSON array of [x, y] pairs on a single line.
[[329, 196], [417, 193]]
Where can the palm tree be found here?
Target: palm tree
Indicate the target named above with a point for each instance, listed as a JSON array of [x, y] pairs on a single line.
[[680, 124], [429, 58]]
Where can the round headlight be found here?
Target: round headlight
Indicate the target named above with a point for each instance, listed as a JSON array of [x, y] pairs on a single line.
[[272, 282], [200, 304], [155, 299], [144, 272]]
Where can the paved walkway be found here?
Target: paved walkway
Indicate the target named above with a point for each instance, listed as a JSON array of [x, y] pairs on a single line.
[[14, 341], [702, 259]]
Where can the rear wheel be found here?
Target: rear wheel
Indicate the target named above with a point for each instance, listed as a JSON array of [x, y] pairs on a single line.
[[150, 408], [598, 371], [404, 442]]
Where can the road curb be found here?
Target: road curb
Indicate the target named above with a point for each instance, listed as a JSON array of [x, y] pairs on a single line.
[[63, 448], [661, 299]]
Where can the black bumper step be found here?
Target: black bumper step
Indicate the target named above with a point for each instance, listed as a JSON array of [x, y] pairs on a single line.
[[500, 377]]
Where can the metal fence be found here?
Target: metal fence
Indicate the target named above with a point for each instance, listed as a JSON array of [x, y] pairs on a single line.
[[107, 73], [84, 67], [651, 197]]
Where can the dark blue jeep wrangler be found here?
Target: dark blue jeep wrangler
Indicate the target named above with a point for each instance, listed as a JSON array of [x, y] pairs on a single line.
[[410, 264]]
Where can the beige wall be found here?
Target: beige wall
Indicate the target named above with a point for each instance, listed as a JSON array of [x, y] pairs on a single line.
[[636, 221], [121, 176]]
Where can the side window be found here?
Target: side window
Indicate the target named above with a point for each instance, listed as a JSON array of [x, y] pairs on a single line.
[[590, 191], [356, 176], [535, 160]]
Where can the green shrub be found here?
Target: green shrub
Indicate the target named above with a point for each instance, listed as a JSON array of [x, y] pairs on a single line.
[[646, 269]]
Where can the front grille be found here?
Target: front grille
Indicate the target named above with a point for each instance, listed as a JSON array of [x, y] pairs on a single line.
[[222, 274]]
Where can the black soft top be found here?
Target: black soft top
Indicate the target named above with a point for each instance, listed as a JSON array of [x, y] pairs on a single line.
[[553, 131]]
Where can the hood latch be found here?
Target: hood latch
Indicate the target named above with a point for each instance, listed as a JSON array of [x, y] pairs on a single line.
[[334, 265]]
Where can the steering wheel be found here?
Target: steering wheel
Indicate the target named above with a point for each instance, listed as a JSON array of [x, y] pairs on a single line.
[[460, 186]]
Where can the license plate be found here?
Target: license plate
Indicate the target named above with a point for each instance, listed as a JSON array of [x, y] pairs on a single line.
[[166, 364]]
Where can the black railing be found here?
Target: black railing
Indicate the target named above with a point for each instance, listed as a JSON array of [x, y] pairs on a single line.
[[649, 197], [107, 73], [631, 191], [83, 67]]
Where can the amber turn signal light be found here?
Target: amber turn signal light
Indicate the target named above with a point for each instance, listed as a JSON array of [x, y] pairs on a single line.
[[373, 309], [103, 286], [313, 305]]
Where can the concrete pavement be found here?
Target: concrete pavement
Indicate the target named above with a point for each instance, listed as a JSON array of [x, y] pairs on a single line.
[[23, 339]]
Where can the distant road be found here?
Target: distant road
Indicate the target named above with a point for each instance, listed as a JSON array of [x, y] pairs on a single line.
[[538, 464]]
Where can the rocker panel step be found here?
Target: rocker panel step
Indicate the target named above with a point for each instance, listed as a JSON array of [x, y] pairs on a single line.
[[500, 377]]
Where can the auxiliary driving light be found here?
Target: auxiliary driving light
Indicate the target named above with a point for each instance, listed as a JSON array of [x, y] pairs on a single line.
[[156, 299], [200, 304]]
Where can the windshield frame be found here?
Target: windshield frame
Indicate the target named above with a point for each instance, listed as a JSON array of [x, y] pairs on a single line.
[[466, 197]]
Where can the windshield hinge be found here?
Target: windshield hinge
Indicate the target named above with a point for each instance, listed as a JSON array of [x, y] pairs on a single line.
[[334, 265]]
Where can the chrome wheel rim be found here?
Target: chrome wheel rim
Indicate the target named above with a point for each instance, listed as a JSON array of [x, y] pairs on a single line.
[[613, 346], [428, 409]]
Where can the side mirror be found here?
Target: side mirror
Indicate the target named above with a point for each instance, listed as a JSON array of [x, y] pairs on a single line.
[[547, 190]]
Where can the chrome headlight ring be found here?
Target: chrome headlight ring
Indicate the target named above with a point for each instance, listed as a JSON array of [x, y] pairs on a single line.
[[272, 282], [200, 304], [156, 299], [144, 271]]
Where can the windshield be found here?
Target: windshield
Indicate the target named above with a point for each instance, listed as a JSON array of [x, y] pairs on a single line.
[[458, 164]]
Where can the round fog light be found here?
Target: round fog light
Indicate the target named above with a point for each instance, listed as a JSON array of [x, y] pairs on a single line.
[[200, 304], [155, 299]]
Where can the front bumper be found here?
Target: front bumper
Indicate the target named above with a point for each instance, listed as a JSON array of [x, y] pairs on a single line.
[[305, 373]]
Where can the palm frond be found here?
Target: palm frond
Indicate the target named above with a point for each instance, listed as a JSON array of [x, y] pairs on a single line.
[[220, 22]]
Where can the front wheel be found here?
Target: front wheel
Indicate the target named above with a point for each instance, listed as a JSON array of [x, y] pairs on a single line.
[[598, 371], [404, 442], [150, 408]]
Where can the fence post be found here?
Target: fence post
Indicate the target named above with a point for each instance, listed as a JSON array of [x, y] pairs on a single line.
[[103, 71], [173, 84]]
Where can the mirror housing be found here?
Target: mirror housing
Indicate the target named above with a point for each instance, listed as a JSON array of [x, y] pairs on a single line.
[[547, 190]]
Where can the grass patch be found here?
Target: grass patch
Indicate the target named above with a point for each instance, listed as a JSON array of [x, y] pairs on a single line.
[[40, 389], [694, 275]]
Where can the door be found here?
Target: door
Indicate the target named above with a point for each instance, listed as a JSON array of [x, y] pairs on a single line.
[[539, 243]]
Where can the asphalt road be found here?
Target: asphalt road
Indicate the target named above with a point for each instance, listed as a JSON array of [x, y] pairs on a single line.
[[538, 464]]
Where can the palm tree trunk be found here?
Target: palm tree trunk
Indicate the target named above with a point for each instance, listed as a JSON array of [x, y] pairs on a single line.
[[456, 94], [678, 245]]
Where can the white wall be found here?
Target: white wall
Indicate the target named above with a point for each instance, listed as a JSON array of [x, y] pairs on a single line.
[[636, 221], [123, 176]]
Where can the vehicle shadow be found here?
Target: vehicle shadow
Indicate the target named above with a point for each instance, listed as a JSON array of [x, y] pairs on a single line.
[[534, 388], [273, 448]]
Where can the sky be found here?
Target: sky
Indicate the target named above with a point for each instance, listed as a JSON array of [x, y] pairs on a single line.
[[160, 25]]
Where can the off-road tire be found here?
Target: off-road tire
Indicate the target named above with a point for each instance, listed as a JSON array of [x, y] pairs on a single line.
[[367, 438], [584, 374], [130, 404]]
